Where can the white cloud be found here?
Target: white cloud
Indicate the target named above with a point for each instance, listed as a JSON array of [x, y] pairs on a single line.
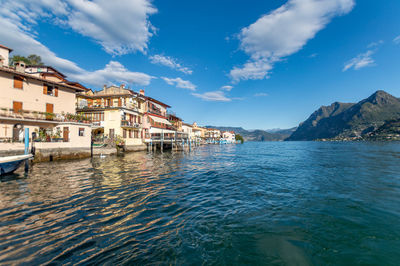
[[360, 61], [215, 96], [114, 72], [283, 32], [258, 69], [227, 88], [169, 62], [16, 30], [260, 94], [120, 27], [180, 83], [375, 44], [397, 40]]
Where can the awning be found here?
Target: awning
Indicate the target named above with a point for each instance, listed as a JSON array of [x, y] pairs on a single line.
[[160, 130], [160, 120], [131, 112]]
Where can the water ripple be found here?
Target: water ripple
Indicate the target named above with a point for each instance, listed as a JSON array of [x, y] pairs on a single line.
[[297, 203]]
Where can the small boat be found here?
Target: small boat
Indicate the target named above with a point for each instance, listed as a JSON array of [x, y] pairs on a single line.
[[9, 164]]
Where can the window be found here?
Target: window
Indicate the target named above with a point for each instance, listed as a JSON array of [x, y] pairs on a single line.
[[81, 132], [50, 90], [18, 82], [17, 107], [130, 134], [124, 133], [136, 134]]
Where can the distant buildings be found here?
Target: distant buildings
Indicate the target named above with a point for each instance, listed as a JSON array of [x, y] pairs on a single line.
[[64, 116], [229, 136]]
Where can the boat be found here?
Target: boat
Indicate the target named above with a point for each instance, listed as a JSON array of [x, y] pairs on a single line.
[[9, 164]]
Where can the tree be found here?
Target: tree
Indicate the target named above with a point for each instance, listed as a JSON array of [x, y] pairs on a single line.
[[17, 58], [35, 60], [239, 137], [30, 60]]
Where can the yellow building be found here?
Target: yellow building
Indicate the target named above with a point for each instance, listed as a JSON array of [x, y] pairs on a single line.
[[115, 111], [41, 99]]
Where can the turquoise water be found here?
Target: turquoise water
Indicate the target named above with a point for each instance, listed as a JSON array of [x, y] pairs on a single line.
[[271, 203]]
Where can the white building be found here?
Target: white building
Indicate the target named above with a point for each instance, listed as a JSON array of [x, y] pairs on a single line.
[[229, 136]]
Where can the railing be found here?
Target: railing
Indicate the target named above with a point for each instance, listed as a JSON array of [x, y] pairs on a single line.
[[35, 115], [101, 106], [154, 111], [125, 123], [98, 123]]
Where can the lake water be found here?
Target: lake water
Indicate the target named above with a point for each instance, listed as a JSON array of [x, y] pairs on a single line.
[[271, 203]]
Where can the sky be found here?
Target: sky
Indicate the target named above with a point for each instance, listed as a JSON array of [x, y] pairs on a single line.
[[253, 64]]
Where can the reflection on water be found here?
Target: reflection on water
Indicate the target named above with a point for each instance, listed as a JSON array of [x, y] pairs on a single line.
[[298, 203]]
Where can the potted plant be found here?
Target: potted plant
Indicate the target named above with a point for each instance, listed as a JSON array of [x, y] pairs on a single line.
[[120, 144]]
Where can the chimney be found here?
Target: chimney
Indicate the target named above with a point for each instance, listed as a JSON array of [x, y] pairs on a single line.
[[4, 55], [141, 92], [20, 66]]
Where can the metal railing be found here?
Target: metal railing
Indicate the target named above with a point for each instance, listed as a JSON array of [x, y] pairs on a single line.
[[125, 123], [35, 115]]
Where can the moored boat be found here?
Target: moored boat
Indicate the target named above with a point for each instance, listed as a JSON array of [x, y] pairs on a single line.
[[9, 164]]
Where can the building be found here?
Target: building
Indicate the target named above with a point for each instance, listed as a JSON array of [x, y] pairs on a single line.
[[212, 135], [44, 102], [199, 132], [156, 125], [188, 130], [116, 112], [229, 136]]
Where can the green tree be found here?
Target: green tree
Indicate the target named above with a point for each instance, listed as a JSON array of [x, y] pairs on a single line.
[[30, 60], [239, 137], [35, 60]]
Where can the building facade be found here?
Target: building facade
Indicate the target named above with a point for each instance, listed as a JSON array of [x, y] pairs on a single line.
[[229, 136], [45, 104], [116, 112]]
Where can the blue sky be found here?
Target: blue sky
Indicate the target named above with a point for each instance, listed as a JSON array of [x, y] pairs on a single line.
[[255, 64]]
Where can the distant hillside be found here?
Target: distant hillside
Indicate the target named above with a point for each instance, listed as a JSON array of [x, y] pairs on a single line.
[[258, 135], [388, 131], [344, 121]]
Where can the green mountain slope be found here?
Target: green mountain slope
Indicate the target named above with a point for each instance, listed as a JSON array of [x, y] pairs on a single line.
[[258, 135], [349, 121]]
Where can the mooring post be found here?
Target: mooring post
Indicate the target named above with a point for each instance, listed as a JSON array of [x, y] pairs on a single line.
[[26, 148], [91, 147]]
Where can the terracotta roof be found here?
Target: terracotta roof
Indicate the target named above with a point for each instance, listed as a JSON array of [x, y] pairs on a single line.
[[13, 71], [156, 101], [5, 47]]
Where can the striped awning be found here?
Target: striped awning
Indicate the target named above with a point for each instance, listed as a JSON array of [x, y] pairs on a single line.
[[160, 120]]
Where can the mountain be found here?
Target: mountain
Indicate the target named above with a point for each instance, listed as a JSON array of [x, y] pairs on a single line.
[[346, 121], [388, 131], [257, 135]]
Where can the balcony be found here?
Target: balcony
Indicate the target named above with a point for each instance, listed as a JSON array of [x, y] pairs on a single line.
[[131, 107], [41, 116], [154, 111], [128, 124], [98, 123]]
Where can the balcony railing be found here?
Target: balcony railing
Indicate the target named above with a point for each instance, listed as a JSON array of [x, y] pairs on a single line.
[[125, 123], [98, 123], [154, 111], [35, 115], [102, 106]]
